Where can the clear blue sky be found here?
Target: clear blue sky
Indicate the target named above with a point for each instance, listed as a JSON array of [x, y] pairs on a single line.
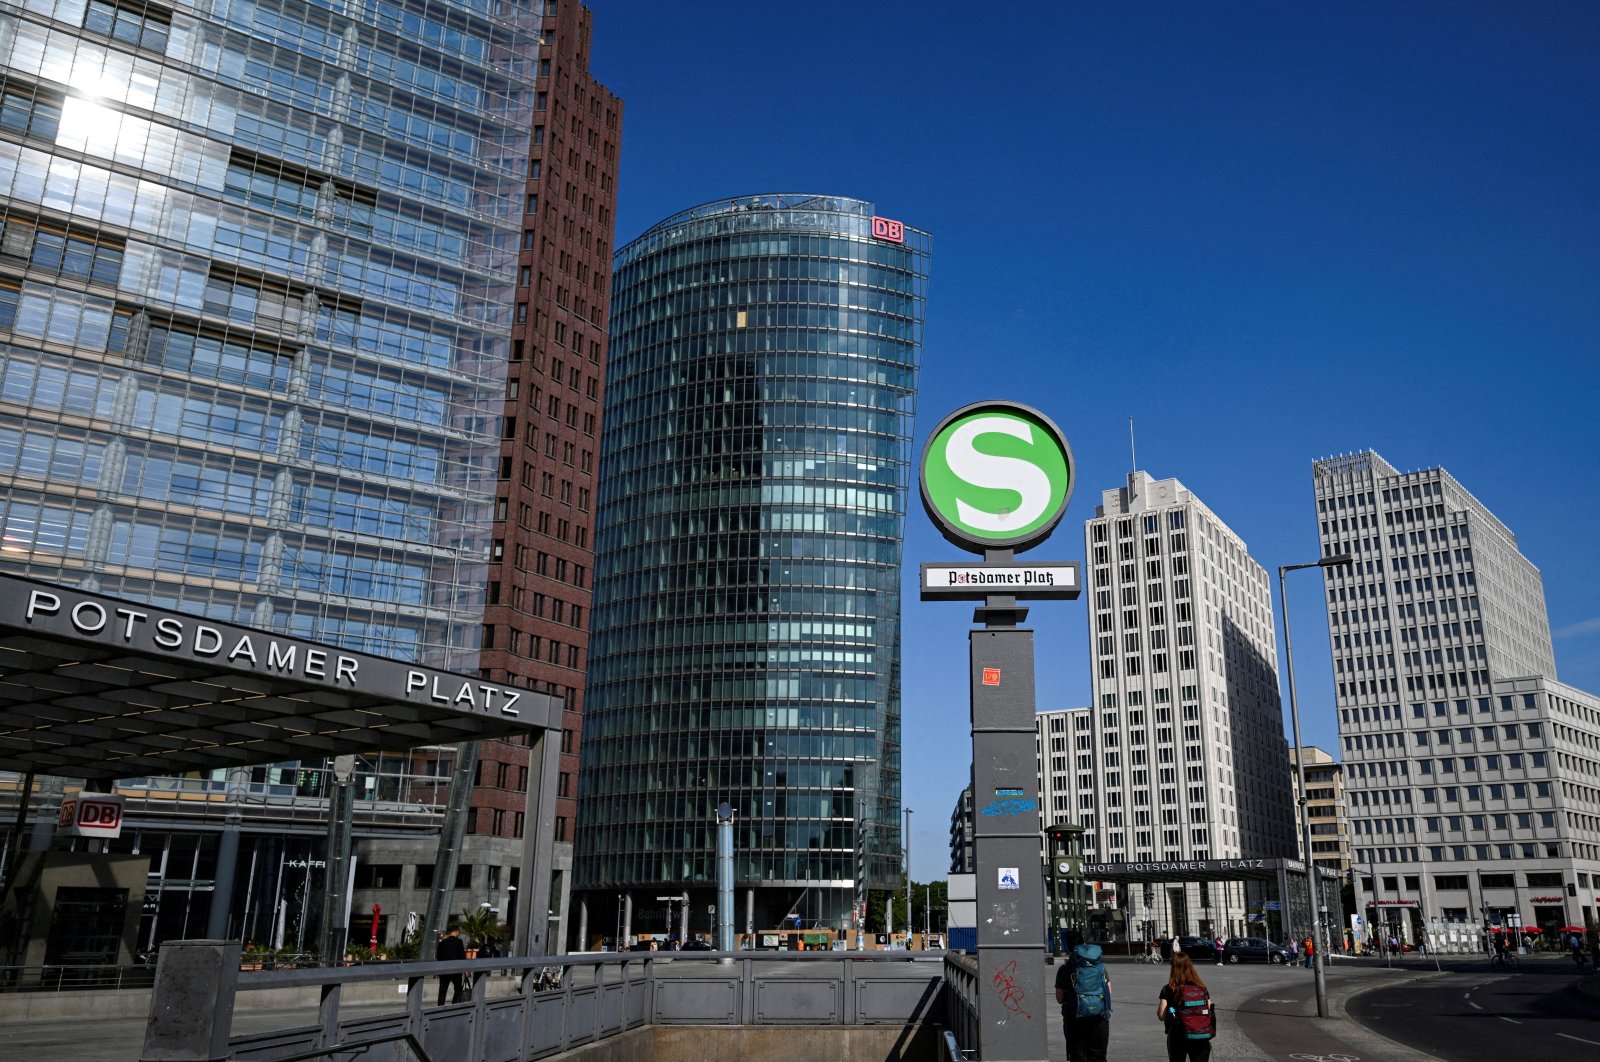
[[1269, 232]]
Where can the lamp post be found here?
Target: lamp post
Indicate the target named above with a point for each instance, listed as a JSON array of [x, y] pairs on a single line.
[[1319, 931], [910, 924]]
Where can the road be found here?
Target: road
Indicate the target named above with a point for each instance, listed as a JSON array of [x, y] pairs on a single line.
[[1481, 1014]]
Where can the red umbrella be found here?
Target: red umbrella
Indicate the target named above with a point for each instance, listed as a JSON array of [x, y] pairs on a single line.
[[1574, 929]]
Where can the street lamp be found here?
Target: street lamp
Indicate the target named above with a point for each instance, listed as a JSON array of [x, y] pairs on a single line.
[[910, 925], [1319, 931]]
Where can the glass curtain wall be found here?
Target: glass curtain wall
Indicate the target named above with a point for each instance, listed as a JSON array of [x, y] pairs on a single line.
[[256, 265], [746, 645]]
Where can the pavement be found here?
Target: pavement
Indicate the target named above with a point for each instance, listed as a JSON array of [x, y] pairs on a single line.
[[1263, 1012]]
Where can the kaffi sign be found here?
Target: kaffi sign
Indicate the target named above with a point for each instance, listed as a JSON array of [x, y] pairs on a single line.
[[91, 815]]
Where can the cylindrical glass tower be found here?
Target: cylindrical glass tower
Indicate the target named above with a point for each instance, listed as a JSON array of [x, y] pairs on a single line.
[[746, 628]]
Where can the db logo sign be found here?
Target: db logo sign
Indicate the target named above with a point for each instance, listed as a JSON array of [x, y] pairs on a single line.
[[885, 229], [91, 815]]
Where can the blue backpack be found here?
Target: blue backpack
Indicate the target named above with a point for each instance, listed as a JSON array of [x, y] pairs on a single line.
[[1088, 977]]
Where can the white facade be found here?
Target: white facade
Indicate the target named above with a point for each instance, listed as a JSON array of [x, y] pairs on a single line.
[[1182, 754], [1472, 776]]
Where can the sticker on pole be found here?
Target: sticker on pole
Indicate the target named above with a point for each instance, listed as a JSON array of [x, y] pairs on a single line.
[[991, 676], [1008, 878], [996, 475]]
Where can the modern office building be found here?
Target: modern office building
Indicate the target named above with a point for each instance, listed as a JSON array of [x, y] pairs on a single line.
[[1470, 771], [746, 629], [1325, 809], [536, 617], [1182, 756], [257, 291], [962, 833]]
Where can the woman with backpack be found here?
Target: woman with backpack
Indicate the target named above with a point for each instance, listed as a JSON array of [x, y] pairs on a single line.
[[1185, 1008]]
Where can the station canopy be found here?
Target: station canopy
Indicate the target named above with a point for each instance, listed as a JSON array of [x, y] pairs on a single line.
[[98, 688]]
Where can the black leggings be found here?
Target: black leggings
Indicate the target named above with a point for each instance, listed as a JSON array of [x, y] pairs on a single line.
[[1180, 1048]]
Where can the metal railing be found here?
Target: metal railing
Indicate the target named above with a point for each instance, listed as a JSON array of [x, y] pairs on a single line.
[[961, 1003], [59, 978], [524, 1008]]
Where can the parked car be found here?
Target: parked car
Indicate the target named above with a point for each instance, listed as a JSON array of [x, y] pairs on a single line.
[[697, 945], [1256, 949], [1199, 949]]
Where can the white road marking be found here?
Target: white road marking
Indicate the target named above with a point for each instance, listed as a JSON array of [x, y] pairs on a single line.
[[1513, 1021], [1473, 1005], [1580, 1039]]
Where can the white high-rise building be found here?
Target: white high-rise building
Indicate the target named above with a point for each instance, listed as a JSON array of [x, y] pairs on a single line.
[[1182, 755], [1473, 777]]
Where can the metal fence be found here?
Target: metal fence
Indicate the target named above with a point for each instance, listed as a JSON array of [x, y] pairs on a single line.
[[74, 978], [517, 1010]]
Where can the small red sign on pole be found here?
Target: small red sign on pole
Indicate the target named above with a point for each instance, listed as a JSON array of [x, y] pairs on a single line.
[[991, 676]]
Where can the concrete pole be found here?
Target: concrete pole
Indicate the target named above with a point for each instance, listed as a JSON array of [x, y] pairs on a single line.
[[1013, 1007], [627, 921]]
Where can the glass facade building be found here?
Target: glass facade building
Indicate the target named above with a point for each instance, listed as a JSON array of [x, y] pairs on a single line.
[[257, 265], [256, 280], [746, 633]]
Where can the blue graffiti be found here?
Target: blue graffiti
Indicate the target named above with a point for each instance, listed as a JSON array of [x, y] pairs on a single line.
[[1011, 807]]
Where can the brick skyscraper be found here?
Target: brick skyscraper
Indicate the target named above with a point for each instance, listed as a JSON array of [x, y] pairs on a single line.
[[536, 629]]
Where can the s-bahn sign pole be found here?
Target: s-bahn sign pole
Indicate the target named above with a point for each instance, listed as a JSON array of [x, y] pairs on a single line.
[[996, 477]]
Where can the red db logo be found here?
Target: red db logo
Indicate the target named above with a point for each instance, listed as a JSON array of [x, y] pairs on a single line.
[[886, 229], [100, 814]]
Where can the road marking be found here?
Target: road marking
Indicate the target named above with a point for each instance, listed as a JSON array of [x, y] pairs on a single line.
[[1513, 1021], [1266, 1000], [1580, 1039], [1473, 1005]]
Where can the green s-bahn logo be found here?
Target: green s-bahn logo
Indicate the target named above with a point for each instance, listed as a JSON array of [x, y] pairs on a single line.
[[996, 475]]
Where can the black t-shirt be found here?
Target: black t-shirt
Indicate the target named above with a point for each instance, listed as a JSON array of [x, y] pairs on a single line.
[[1169, 996]]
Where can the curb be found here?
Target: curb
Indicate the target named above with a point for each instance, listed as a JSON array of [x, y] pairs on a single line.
[[1371, 1039]]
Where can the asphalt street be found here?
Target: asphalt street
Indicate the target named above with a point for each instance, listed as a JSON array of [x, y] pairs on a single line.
[[1483, 1014]]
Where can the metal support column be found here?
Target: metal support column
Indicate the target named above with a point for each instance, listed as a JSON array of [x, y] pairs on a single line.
[[458, 804], [335, 897], [538, 846]]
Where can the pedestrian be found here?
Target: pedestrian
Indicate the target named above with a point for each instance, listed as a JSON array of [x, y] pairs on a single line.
[[1217, 947], [1185, 1008], [1311, 953], [1084, 991], [1294, 946], [1575, 942], [450, 949]]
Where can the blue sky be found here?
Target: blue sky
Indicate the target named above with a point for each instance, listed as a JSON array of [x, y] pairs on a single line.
[[1268, 232]]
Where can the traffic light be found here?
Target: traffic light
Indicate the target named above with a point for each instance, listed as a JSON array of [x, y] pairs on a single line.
[[1572, 889]]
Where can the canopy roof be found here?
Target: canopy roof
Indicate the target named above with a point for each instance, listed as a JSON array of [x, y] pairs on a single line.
[[98, 688]]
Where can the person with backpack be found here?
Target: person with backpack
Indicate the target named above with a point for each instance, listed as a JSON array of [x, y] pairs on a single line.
[[1185, 1008], [1084, 992]]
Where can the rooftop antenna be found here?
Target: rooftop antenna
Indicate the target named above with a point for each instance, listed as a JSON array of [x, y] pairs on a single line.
[[1132, 452]]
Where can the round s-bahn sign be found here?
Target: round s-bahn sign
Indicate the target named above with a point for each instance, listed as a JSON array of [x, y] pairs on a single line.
[[996, 475]]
